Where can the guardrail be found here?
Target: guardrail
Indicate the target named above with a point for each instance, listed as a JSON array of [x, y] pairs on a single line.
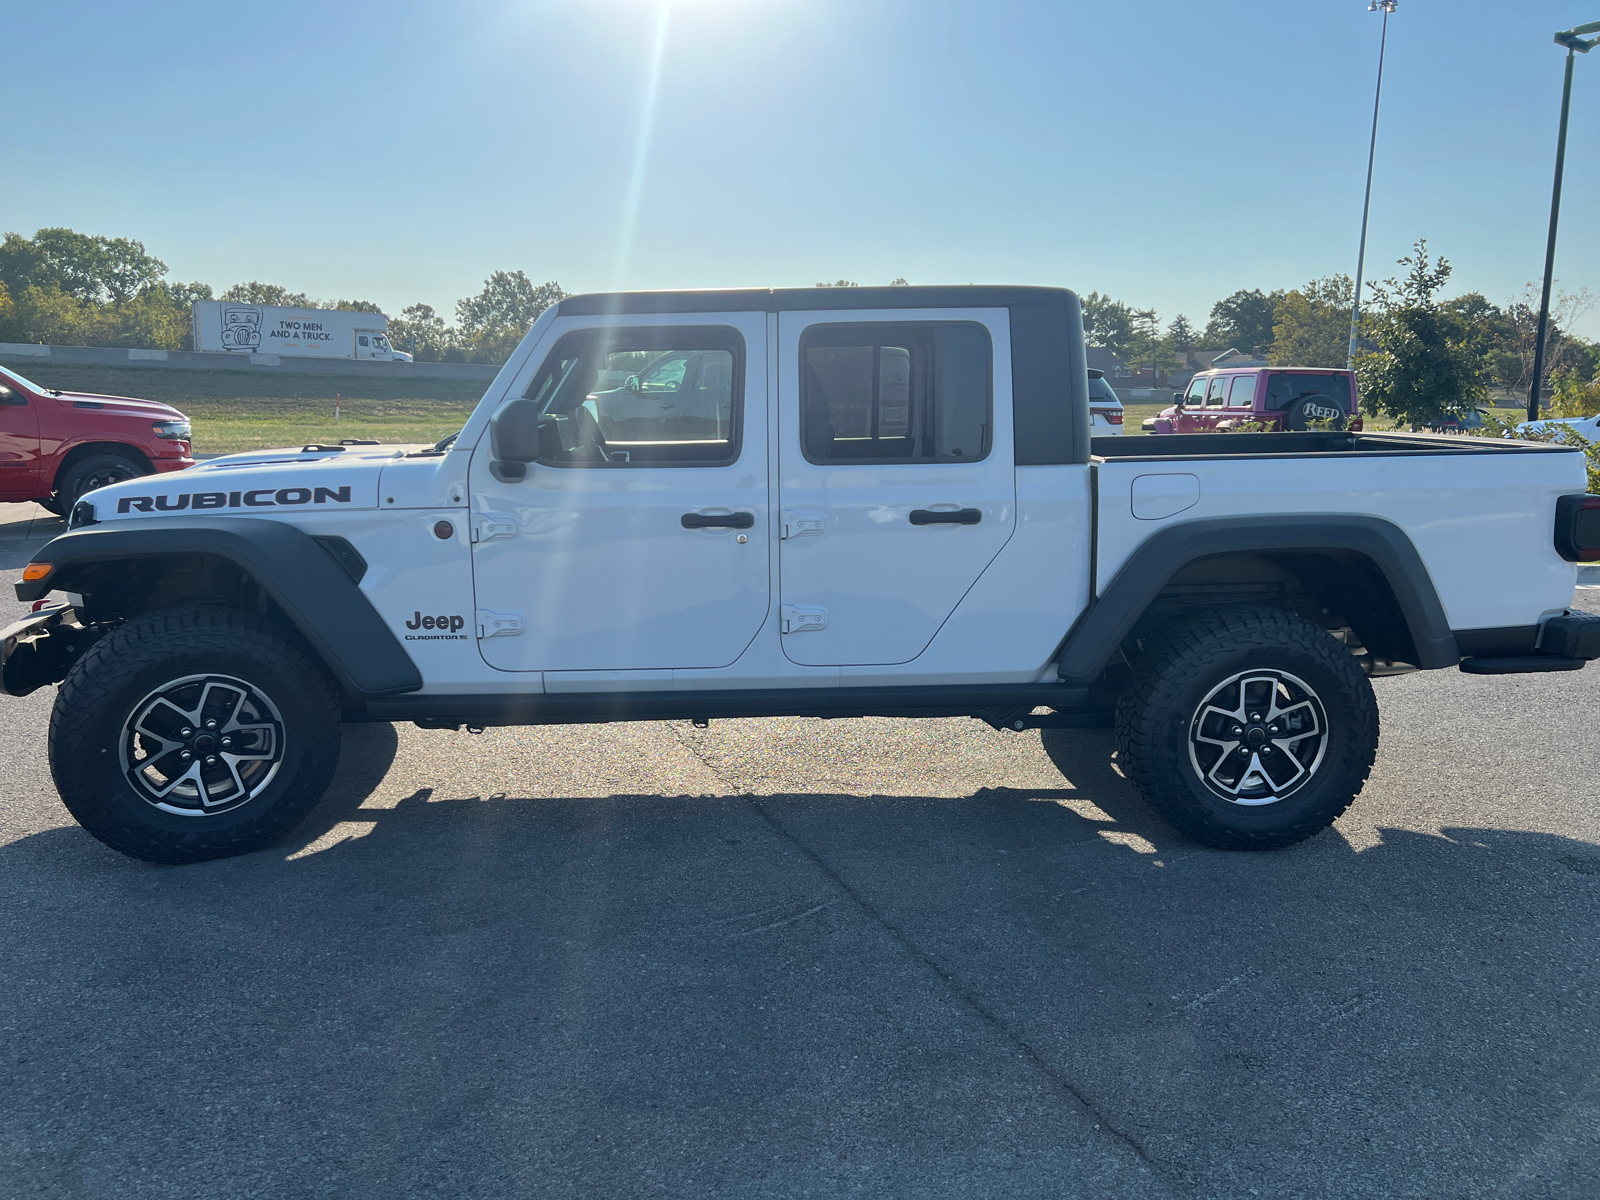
[[19, 354]]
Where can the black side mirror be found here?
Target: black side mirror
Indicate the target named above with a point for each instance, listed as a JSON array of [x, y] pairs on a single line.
[[513, 440], [1177, 398]]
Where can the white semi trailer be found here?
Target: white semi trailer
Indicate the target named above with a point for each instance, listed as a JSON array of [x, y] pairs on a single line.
[[220, 325]]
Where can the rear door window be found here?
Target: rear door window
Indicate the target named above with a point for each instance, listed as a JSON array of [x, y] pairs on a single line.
[[903, 392], [1242, 392], [1214, 392]]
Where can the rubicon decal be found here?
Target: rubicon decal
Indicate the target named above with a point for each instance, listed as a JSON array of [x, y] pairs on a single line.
[[257, 498], [448, 628]]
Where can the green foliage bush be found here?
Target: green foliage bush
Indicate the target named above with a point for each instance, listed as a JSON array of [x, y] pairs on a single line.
[[1553, 433], [1427, 365]]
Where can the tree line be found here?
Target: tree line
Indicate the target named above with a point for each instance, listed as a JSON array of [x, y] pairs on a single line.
[[65, 288], [1420, 356]]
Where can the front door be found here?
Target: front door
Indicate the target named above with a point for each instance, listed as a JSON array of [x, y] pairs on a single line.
[[19, 443], [898, 483], [1201, 414], [639, 540]]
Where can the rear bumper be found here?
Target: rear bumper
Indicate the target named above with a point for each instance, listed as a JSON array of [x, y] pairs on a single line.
[[1565, 643]]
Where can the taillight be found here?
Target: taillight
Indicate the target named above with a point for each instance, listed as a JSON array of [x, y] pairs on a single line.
[[1578, 528], [1355, 426], [1113, 415]]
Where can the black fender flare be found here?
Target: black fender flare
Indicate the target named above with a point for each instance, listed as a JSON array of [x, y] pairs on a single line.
[[299, 574], [1108, 620]]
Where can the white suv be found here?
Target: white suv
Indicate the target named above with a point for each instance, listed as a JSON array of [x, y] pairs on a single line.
[[1105, 410]]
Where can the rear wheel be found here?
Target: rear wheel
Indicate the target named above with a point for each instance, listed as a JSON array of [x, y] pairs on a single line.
[[90, 472], [193, 734], [1248, 729]]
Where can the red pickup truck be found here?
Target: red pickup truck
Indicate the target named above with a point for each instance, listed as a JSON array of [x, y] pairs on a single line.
[[1270, 398], [55, 445]]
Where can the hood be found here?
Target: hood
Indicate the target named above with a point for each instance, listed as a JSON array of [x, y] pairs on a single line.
[[258, 483], [123, 404]]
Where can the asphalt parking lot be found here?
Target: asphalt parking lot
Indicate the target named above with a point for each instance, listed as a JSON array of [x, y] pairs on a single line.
[[806, 958]]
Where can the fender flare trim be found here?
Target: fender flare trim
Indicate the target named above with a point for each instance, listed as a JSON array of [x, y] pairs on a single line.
[[301, 576], [1087, 649]]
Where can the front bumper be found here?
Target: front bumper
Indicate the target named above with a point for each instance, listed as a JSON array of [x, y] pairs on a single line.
[[40, 649]]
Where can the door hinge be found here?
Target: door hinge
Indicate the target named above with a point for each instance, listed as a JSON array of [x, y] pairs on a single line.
[[801, 618], [802, 524], [492, 527], [498, 624]]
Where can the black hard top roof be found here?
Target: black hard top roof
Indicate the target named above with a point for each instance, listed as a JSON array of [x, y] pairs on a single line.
[[806, 299], [1223, 370]]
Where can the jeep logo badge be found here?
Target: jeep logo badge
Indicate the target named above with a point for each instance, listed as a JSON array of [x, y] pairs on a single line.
[[449, 628]]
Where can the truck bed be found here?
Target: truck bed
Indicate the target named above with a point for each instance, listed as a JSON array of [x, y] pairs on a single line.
[[1464, 502]]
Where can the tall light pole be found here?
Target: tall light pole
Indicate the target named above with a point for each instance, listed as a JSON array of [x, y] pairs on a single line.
[[1386, 7], [1570, 39]]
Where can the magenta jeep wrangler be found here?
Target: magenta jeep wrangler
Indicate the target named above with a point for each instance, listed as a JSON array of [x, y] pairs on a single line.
[[1253, 398]]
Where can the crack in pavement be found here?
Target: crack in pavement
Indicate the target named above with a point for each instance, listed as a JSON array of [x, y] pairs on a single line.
[[1024, 1048]]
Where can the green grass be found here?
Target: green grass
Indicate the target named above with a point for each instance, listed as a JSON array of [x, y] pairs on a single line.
[[236, 410], [1134, 413]]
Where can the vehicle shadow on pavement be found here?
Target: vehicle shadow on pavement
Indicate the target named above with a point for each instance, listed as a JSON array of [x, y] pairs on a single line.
[[1028, 992], [23, 529]]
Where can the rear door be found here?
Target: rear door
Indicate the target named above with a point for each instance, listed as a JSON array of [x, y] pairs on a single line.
[[639, 540], [898, 480]]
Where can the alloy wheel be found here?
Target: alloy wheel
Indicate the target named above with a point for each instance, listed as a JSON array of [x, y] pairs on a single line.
[[202, 745], [1258, 737]]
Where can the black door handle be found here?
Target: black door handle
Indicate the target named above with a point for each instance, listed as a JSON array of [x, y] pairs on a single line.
[[729, 521], [962, 516]]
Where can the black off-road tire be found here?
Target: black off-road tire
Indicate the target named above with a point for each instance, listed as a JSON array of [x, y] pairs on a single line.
[[1159, 715], [90, 472], [107, 688]]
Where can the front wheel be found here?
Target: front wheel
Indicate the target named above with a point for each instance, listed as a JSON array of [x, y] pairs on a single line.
[[91, 472], [193, 734], [1248, 729]]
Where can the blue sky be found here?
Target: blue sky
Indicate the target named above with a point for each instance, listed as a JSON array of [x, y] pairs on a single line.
[[1165, 152]]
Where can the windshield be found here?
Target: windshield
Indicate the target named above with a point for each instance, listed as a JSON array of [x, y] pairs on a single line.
[[7, 374]]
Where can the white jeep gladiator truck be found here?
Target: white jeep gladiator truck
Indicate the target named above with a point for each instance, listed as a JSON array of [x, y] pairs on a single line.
[[718, 504]]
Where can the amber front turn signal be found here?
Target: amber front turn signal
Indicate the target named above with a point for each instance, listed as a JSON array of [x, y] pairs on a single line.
[[35, 571]]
